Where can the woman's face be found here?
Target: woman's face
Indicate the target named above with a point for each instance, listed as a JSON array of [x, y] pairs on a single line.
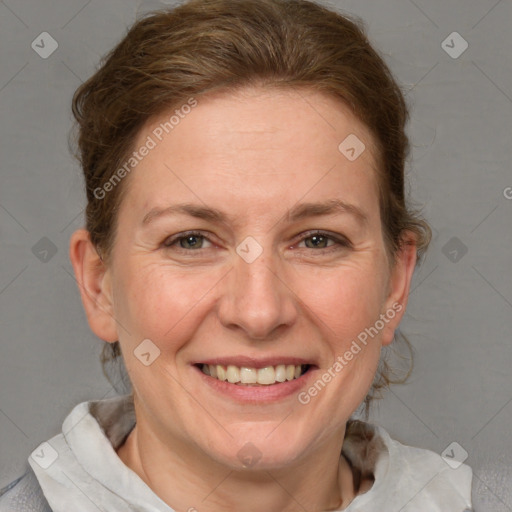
[[253, 176]]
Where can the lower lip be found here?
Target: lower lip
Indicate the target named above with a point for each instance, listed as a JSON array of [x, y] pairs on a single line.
[[251, 394]]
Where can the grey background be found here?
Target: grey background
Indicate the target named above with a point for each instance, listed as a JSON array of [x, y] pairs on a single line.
[[459, 317]]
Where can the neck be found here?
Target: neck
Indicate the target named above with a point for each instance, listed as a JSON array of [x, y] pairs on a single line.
[[190, 481]]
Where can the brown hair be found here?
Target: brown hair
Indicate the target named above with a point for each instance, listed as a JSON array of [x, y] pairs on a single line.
[[204, 45]]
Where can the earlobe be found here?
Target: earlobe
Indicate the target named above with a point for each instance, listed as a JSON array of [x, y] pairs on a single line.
[[399, 286], [94, 283]]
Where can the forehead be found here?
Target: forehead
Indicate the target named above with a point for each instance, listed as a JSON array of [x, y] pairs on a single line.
[[285, 143], [251, 112]]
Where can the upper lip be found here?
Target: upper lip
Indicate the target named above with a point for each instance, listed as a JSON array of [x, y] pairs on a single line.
[[253, 362]]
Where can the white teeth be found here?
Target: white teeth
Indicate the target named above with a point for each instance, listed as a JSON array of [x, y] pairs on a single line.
[[247, 376], [280, 373], [221, 372], [266, 375], [233, 374]]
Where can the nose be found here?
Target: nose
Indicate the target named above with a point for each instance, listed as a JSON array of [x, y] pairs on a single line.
[[257, 299]]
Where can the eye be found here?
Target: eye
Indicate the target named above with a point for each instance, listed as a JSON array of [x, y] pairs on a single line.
[[195, 240], [192, 240], [320, 240]]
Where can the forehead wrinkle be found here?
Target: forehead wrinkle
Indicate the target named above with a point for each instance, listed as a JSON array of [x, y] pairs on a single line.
[[298, 212]]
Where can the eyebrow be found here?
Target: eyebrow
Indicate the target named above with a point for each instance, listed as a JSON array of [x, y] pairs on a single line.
[[298, 212]]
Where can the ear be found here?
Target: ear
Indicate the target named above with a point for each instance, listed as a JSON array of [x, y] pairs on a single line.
[[94, 283], [399, 286]]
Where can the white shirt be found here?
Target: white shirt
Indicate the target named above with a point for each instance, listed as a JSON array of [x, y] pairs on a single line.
[[80, 471]]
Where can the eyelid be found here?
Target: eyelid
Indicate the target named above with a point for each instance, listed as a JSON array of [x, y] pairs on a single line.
[[339, 239], [170, 240]]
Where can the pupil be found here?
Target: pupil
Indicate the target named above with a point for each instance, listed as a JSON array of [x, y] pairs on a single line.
[[317, 239], [191, 240]]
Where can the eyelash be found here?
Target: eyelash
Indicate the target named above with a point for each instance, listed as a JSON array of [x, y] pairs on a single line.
[[341, 242]]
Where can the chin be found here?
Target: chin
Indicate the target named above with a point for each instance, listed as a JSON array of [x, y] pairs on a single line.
[[258, 451]]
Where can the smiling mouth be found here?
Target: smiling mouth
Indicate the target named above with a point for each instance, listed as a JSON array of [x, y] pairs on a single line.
[[245, 376]]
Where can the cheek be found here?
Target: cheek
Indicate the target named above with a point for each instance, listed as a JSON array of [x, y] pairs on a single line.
[[160, 303], [346, 301], [166, 304]]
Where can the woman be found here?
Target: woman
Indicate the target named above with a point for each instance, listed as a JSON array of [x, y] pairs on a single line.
[[248, 252]]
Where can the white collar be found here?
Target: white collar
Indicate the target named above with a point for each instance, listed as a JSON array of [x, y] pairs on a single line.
[[88, 475]]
